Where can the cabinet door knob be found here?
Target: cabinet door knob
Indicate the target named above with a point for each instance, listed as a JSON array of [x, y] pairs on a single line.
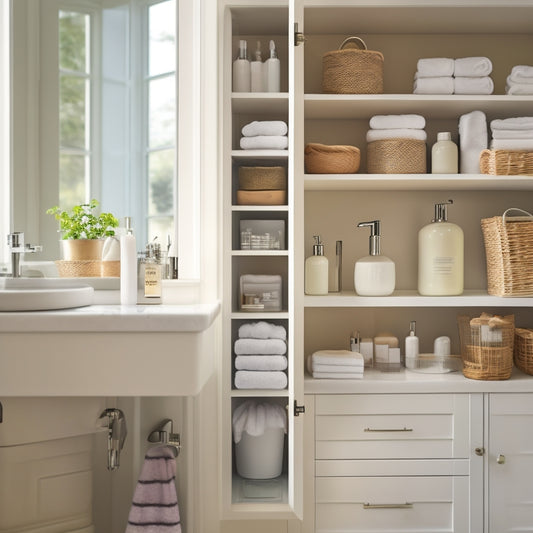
[[479, 451], [501, 459]]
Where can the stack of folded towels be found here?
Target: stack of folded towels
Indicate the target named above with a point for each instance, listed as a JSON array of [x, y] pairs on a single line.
[[336, 364], [265, 135], [260, 356], [520, 81], [512, 134], [396, 127], [443, 75]]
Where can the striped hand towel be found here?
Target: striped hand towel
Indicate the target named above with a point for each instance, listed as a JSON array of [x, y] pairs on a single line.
[[154, 508]]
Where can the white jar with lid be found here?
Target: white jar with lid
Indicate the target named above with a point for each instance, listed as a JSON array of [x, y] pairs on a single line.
[[444, 155]]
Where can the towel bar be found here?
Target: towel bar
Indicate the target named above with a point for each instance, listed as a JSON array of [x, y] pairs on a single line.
[[163, 434]]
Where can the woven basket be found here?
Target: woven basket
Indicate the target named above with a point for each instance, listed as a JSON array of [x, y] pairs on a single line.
[[487, 346], [523, 349], [262, 178], [331, 159], [506, 162], [396, 156], [509, 253], [352, 71]]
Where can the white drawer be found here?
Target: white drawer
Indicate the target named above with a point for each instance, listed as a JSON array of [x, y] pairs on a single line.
[[393, 504]]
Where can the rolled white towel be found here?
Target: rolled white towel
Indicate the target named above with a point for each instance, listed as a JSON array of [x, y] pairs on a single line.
[[262, 330], [512, 144], [472, 66], [519, 88], [521, 74], [512, 134], [265, 142], [255, 417], [264, 127], [513, 123], [431, 67], [400, 133], [260, 347], [252, 379], [337, 375], [434, 85], [337, 357], [386, 122], [473, 85], [261, 362], [473, 139]]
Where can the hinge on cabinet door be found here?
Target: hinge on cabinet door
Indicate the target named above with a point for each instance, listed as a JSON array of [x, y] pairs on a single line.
[[299, 37], [298, 409]]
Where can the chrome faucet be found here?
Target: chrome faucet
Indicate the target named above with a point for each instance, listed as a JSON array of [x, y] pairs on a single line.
[[15, 241]]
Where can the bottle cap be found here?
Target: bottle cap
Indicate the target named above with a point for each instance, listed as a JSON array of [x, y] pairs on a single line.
[[441, 211], [375, 236], [444, 136], [318, 247]]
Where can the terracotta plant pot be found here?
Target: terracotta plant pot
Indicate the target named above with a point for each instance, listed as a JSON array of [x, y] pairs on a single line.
[[82, 249]]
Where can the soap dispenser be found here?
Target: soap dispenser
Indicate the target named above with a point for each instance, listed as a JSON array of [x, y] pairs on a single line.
[[411, 346], [316, 270], [375, 274], [440, 256]]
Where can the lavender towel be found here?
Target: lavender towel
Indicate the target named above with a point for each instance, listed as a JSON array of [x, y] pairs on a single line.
[[154, 508]]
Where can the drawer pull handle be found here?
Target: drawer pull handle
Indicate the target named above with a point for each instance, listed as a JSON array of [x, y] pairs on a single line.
[[406, 505], [386, 430]]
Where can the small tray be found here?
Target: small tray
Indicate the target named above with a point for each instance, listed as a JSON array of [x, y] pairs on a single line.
[[428, 363]]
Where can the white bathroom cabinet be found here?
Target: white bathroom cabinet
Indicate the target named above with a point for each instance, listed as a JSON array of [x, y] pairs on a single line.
[[332, 205]]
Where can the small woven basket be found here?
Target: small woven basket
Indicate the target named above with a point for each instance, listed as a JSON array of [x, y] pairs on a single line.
[[396, 156], [331, 159], [88, 269], [506, 162], [262, 178], [523, 349], [509, 253], [487, 346]]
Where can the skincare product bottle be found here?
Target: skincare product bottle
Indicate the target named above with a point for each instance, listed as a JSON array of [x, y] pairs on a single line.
[[128, 266], [256, 70], [411, 346], [375, 274], [241, 70], [150, 275], [272, 67], [440, 256], [442, 346], [336, 271], [316, 270], [444, 155]]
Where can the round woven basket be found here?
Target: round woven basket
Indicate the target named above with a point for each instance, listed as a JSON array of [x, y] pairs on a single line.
[[352, 71], [262, 178], [331, 159], [396, 156]]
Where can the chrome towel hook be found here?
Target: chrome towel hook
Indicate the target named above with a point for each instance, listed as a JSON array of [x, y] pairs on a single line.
[[164, 434]]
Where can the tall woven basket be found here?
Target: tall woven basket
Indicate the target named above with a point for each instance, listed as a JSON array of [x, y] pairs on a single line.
[[509, 253], [523, 350]]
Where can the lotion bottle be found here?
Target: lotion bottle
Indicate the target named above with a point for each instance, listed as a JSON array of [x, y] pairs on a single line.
[[256, 69], [444, 155], [128, 266], [375, 274], [440, 256], [241, 70], [316, 270], [411, 346], [272, 69]]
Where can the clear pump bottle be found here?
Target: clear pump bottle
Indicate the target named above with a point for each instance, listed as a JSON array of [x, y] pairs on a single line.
[[317, 270]]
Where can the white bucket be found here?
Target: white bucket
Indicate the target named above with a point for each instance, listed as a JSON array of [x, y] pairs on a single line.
[[260, 457]]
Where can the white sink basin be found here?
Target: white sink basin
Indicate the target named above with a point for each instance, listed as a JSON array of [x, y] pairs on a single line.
[[43, 294]]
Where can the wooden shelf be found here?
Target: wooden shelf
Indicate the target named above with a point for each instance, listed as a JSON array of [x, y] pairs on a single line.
[[258, 103]]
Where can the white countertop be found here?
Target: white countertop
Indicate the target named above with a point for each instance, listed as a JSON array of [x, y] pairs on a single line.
[[406, 381], [113, 318]]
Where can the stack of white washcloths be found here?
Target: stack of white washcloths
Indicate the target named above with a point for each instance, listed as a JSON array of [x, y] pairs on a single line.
[[520, 81], [473, 139], [265, 135], [336, 364], [512, 134], [443, 75], [260, 356], [396, 127]]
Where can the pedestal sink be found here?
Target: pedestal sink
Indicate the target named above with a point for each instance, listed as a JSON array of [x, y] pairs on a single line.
[[43, 294]]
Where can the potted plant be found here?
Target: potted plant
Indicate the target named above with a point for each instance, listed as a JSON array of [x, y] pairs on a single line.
[[83, 232]]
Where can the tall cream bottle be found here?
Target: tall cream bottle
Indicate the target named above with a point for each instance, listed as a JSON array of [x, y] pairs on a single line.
[[317, 270], [441, 256]]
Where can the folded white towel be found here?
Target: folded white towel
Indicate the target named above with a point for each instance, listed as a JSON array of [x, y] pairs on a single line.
[[339, 369], [431, 67], [400, 133], [521, 74], [472, 66], [334, 375], [260, 347], [260, 362], [262, 330], [518, 88], [265, 142], [265, 127], [255, 417], [512, 144], [512, 134], [253, 379], [473, 85], [337, 357], [473, 139], [514, 123], [436, 85], [387, 122]]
